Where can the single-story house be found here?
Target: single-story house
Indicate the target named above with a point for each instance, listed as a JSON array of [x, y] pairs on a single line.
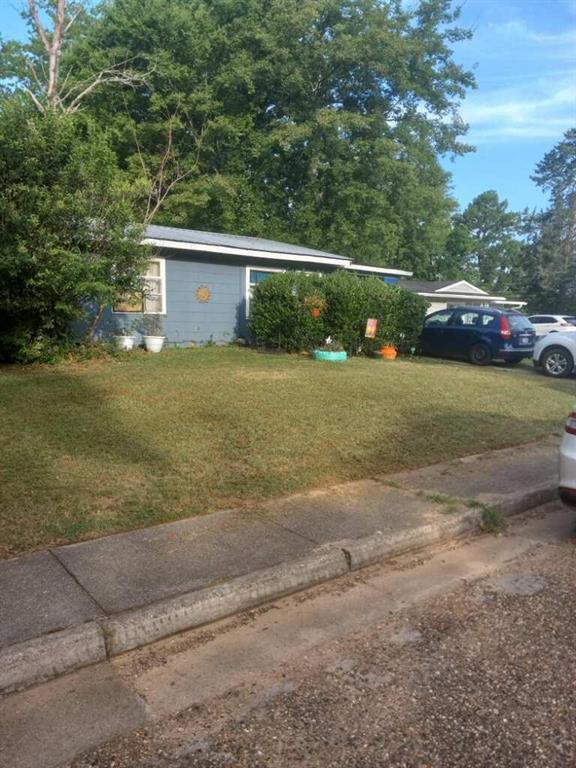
[[200, 283], [452, 293]]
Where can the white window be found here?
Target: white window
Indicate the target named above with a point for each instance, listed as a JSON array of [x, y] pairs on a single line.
[[253, 277], [152, 300], [155, 287]]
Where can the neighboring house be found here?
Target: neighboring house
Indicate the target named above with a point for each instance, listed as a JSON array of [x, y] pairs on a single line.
[[201, 282], [452, 293]]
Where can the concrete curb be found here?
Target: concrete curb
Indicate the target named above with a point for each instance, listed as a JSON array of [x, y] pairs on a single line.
[[54, 654], [379, 547], [142, 626], [524, 500], [57, 653]]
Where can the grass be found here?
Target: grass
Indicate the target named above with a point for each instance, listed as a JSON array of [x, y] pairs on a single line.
[[492, 520], [91, 448]]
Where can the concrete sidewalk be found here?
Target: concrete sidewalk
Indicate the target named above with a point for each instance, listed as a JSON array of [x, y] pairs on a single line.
[[75, 605]]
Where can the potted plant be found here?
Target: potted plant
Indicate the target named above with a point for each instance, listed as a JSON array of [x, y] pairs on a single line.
[[124, 337], [387, 351], [152, 332], [315, 303], [331, 350]]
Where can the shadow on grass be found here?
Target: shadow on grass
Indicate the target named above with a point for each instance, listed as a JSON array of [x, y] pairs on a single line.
[[68, 431]]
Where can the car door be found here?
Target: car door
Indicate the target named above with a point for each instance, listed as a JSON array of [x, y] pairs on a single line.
[[432, 340], [549, 324], [462, 332], [540, 325]]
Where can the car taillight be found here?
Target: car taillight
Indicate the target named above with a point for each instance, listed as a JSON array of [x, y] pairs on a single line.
[[571, 424], [505, 331]]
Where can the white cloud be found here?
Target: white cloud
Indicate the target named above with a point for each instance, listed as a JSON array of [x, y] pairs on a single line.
[[521, 32], [526, 81], [543, 108]]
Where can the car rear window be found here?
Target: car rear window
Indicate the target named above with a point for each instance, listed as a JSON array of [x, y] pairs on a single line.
[[519, 323]]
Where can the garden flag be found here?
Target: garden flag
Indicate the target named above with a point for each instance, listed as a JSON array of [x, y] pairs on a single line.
[[371, 326]]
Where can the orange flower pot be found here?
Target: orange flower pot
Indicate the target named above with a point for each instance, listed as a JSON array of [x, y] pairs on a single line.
[[388, 353], [315, 312]]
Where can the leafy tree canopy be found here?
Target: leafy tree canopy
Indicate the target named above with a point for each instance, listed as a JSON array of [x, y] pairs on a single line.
[[315, 121], [494, 244], [548, 272]]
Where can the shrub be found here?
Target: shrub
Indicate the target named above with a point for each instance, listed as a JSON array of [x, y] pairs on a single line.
[[281, 315], [346, 311], [67, 240]]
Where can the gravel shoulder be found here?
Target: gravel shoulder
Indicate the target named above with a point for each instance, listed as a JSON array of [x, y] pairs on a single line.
[[483, 675]]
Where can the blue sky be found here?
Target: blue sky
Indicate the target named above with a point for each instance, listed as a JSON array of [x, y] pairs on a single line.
[[524, 56]]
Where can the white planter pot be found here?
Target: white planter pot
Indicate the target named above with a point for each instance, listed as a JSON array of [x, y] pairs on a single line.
[[125, 342], [154, 343]]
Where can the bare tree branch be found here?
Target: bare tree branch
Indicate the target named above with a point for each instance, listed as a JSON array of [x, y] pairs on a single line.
[[34, 74], [72, 20], [37, 103], [54, 90], [33, 9], [124, 77]]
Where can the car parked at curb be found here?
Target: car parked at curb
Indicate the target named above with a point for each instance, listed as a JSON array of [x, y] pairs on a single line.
[[478, 334], [555, 354], [544, 324], [568, 460]]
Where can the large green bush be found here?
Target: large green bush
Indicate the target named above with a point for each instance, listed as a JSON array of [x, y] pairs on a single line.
[[67, 242], [281, 315]]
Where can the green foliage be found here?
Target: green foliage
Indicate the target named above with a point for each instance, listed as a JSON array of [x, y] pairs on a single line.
[[313, 121], [547, 274], [494, 243], [400, 315], [556, 172], [67, 237], [491, 520], [281, 317], [347, 308]]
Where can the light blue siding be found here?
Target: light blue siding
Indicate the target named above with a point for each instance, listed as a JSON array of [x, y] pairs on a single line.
[[189, 320]]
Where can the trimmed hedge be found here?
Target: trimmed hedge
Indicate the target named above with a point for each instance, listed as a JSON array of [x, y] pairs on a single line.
[[282, 316]]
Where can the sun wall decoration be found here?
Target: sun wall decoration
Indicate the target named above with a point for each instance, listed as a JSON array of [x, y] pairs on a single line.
[[203, 294]]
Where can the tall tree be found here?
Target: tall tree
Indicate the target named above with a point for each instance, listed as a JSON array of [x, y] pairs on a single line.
[[318, 121], [494, 243], [36, 66], [548, 275]]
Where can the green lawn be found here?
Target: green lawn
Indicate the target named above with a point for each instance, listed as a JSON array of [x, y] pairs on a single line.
[[98, 447]]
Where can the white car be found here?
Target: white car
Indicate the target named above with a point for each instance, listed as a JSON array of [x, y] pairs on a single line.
[[544, 324], [568, 461], [555, 354]]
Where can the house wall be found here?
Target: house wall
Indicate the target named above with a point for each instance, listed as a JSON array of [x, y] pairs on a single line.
[[187, 320], [217, 320]]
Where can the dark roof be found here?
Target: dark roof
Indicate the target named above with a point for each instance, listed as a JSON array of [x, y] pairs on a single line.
[[233, 241], [427, 286]]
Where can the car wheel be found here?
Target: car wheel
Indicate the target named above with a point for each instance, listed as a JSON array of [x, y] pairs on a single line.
[[557, 362], [480, 354]]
